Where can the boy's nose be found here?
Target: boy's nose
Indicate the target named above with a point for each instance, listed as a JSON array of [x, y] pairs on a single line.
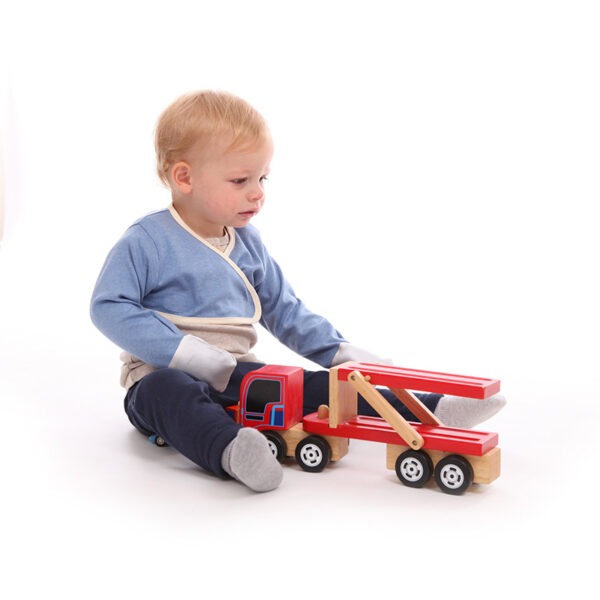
[[256, 194]]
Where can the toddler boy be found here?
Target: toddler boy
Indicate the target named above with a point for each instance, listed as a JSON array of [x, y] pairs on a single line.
[[181, 291]]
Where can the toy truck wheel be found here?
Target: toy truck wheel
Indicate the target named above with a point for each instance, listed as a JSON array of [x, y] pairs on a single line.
[[313, 453], [277, 445], [414, 468], [158, 440], [453, 474]]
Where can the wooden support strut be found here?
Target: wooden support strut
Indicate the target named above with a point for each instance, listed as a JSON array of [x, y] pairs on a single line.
[[400, 425], [415, 406]]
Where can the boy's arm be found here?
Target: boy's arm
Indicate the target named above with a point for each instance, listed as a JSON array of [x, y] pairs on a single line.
[[117, 309], [305, 332]]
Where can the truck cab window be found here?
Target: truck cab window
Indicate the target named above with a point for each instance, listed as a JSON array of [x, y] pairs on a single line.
[[261, 393]]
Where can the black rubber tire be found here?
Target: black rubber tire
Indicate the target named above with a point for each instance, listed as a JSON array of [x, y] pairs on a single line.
[[277, 444], [453, 474], [414, 468], [313, 453]]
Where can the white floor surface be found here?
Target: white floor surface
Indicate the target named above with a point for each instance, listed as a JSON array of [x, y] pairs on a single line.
[[87, 502]]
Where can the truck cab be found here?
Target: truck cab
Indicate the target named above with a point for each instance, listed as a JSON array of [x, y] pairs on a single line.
[[271, 398]]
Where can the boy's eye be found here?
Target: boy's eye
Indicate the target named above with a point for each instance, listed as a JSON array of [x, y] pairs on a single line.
[[242, 180]]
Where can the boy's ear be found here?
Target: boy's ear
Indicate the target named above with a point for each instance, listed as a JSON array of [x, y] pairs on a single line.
[[181, 177]]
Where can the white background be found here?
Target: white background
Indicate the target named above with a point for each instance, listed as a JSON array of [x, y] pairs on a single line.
[[432, 193]]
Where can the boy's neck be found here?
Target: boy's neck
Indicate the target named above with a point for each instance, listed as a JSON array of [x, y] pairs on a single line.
[[199, 226]]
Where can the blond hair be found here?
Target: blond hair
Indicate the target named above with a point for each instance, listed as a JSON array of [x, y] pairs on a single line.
[[201, 117]]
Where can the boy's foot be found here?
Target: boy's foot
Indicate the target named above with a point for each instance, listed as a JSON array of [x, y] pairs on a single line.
[[249, 459], [454, 411]]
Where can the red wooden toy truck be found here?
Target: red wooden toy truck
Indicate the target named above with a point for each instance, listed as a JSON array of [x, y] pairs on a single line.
[[271, 401]]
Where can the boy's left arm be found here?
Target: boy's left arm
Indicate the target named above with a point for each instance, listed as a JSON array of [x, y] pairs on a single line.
[[305, 332]]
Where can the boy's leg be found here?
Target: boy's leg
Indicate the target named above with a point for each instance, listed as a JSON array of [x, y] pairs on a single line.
[[452, 411], [316, 392], [179, 408], [190, 416]]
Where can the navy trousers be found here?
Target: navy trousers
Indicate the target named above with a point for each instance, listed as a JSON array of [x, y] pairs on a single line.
[[191, 416]]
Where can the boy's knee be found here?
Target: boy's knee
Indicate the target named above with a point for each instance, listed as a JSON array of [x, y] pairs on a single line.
[[169, 388]]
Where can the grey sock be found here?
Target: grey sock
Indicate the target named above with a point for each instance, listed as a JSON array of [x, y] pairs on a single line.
[[454, 411], [249, 459]]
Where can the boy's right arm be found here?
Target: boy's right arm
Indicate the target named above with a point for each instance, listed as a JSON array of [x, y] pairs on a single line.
[[118, 310]]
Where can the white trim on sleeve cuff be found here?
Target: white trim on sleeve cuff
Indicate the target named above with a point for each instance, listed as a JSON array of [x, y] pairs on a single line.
[[204, 361], [349, 352]]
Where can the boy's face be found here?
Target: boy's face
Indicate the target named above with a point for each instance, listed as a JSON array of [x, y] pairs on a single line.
[[215, 188]]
